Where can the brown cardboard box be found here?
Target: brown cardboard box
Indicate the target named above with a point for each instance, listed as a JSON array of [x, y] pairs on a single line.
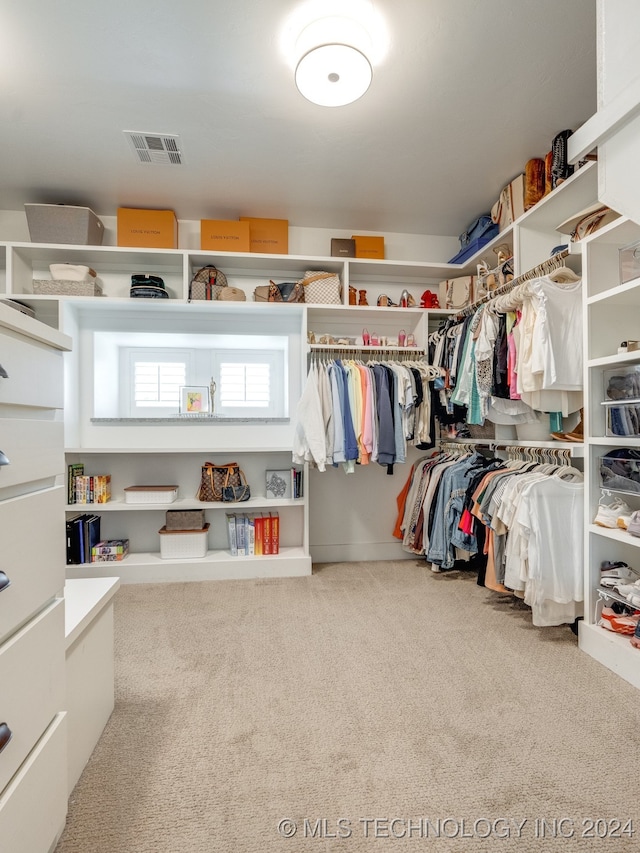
[[154, 229], [369, 247], [269, 236], [224, 235], [343, 248]]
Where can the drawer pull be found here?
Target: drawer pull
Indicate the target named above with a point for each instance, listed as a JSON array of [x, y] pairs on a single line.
[[3, 459], [5, 735], [4, 581]]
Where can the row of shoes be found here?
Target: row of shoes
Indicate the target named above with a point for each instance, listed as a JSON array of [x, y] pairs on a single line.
[[617, 616], [614, 513], [620, 577]]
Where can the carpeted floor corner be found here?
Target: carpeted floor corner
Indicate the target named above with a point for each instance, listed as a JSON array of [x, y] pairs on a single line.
[[370, 706]]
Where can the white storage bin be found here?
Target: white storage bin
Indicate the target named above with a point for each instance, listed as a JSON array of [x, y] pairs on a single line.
[[183, 544], [150, 494]]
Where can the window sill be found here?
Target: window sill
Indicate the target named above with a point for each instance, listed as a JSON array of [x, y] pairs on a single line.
[[209, 420]]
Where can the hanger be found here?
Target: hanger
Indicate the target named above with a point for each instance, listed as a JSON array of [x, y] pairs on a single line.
[[563, 275]]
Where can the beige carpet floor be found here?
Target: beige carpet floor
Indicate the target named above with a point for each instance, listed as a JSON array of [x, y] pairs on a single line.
[[402, 703]]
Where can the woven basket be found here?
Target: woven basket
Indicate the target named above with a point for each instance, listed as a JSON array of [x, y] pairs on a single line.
[[64, 287], [485, 430]]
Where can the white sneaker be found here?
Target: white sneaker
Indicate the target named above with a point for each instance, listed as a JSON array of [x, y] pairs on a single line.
[[608, 514]]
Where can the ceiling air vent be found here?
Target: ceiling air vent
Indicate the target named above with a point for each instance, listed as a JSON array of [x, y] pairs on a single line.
[[161, 148]]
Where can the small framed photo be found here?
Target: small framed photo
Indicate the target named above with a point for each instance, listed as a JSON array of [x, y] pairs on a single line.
[[194, 400]]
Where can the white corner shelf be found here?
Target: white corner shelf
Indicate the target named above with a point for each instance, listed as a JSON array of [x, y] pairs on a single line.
[[615, 533], [612, 650], [217, 565], [255, 502]]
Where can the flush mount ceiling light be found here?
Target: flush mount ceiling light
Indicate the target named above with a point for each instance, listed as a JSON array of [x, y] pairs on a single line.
[[333, 46], [333, 75]]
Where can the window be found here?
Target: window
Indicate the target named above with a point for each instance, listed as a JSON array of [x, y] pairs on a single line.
[[140, 375], [151, 380], [249, 383], [157, 383]]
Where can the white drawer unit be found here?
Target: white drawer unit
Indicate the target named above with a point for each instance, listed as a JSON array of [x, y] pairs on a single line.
[[33, 806], [34, 371], [35, 571], [34, 448], [33, 737], [32, 683]]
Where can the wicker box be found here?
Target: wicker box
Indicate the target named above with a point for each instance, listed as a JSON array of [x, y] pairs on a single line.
[[184, 519], [150, 494], [63, 223], [183, 544], [65, 287]]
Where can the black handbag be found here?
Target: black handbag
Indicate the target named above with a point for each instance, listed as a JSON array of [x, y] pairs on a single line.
[[234, 493]]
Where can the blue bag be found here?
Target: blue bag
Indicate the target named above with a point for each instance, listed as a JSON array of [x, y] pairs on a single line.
[[477, 230]]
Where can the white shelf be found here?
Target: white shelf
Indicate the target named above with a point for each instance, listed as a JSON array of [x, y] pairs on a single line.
[[117, 505], [615, 442], [419, 353], [613, 360], [612, 650], [616, 534], [576, 448], [621, 294], [578, 191], [217, 565]]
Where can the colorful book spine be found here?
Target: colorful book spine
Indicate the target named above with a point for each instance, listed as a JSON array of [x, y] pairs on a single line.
[[250, 522], [241, 536], [275, 532], [258, 535], [231, 534], [74, 470], [266, 534]]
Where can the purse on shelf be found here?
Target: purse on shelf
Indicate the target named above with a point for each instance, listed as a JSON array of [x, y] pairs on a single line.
[[457, 293], [322, 288], [214, 478], [207, 284], [232, 294], [236, 494]]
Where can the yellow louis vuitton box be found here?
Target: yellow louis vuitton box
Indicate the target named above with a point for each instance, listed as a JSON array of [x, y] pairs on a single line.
[[369, 247], [269, 236], [153, 229], [224, 235]]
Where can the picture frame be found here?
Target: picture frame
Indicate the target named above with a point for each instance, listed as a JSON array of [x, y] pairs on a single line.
[[194, 400]]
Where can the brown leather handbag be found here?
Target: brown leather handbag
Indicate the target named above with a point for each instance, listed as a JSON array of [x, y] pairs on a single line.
[[214, 478]]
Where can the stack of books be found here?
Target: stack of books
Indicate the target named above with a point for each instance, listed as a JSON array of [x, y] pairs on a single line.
[[87, 488], [109, 550], [253, 534], [83, 533]]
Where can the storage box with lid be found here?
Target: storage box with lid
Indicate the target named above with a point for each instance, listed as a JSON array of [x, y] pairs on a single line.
[[222, 235], [622, 401], [269, 236], [64, 223], [183, 544], [153, 229], [150, 494]]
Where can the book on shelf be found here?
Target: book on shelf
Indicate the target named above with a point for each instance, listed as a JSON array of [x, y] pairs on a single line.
[[74, 470], [231, 534], [250, 526], [240, 536], [83, 533], [91, 488], [109, 550], [275, 532]]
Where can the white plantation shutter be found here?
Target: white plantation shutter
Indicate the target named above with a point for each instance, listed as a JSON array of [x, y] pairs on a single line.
[[245, 385], [157, 383]]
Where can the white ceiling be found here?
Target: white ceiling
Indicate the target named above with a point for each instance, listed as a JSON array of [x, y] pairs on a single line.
[[468, 92]]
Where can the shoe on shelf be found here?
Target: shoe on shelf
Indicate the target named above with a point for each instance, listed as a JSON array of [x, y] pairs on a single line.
[[623, 521], [609, 513], [633, 527], [617, 572]]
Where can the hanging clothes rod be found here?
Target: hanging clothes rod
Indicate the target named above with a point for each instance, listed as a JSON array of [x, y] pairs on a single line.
[[544, 268]]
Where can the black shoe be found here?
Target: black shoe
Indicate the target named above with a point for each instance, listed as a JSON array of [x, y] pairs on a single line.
[[5, 735], [4, 581]]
